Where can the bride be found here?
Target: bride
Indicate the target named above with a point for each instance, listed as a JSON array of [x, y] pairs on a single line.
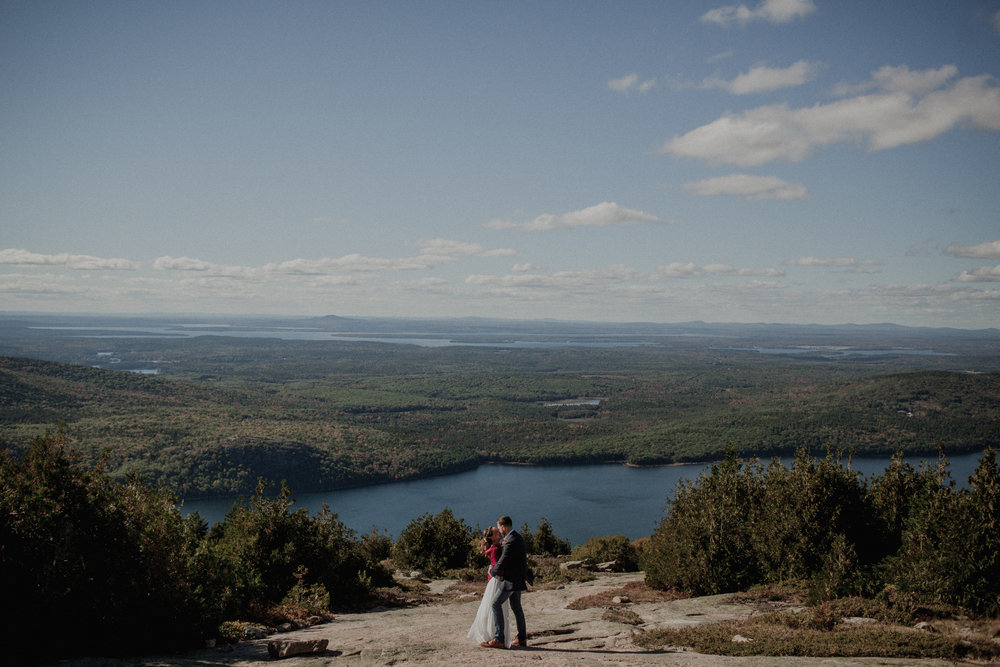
[[482, 626]]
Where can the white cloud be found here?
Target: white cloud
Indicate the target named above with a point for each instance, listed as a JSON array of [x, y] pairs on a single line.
[[434, 252], [43, 286], [772, 11], [984, 274], [677, 270], [885, 120], [686, 270], [424, 285], [996, 22], [630, 82], [522, 268], [830, 262], [605, 214], [461, 249], [747, 186], [20, 257], [564, 280], [988, 250], [900, 80], [181, 264], [763, 79], [720, 56]]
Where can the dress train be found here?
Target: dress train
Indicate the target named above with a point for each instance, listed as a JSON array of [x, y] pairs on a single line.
[[482, 626]]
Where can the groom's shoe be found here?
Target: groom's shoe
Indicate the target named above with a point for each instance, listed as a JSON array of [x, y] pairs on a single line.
[[520, 643], [494, 643]]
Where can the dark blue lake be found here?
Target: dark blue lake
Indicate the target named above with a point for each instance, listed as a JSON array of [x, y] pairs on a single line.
[[579, 501]]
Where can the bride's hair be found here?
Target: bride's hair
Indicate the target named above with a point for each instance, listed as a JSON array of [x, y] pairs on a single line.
[[487, 538]]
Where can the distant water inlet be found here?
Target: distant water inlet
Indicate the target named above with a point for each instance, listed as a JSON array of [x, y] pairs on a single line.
[[579, 501]]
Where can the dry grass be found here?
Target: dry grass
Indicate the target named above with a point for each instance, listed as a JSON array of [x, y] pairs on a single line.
[[622, 615], [815, 632], [636, 591]]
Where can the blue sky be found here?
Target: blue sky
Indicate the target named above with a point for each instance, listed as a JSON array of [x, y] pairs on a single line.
[[801, 161]]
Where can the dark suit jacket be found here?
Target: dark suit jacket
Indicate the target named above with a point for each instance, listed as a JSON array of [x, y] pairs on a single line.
[[512, 566]]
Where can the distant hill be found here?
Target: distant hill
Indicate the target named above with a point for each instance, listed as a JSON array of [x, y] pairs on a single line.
[[321, 421]]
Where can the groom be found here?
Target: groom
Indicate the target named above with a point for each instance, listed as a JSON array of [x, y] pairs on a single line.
[[512, 567]]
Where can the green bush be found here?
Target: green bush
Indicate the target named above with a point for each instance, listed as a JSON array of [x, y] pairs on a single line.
[[107, 563], [544, 541], [609, 548], [434, 544], [739, 525], [951, 540], [120, 571], [705, 543], [813, 521], [376, 547], [256, 552]]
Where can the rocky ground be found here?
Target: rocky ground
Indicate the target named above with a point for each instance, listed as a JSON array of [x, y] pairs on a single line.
[[435, 634]]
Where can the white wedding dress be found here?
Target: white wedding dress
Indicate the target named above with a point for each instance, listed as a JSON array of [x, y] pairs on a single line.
[[482, 626]]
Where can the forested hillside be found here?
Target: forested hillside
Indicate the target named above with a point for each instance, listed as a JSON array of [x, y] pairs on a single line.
[[325, 418]]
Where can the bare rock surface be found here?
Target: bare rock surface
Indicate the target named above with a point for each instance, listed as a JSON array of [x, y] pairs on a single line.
[[436, 635]]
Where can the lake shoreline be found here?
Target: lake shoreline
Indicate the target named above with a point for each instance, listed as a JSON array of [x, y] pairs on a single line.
[[579, 501], [557, 464]]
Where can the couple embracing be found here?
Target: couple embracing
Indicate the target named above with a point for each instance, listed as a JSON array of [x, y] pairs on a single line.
[[508, 574]]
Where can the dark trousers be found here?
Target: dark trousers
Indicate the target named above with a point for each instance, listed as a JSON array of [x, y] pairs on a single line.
[[515, 606]]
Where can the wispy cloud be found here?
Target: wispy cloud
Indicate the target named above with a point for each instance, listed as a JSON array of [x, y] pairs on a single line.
[[984, 274], [748, 186], [831, 262], [433, 253], [884, 120], [450, 248], [19, 257], [988, 250], [687, 270], [605, 214], [900, 80], [565, 280], [630, 83], [771, 11], [720, 56], [762, 79]]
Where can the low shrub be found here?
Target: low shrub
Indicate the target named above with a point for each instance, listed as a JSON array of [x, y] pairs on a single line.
[[740, 525], [106, 562], [434, 544], [706, 542], [616, 548], [132, 575], [544, 541]]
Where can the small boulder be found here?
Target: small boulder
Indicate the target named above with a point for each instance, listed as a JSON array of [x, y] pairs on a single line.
[[572, 565], [621, 599], [287, 649], [740, 639], [254, 632]]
